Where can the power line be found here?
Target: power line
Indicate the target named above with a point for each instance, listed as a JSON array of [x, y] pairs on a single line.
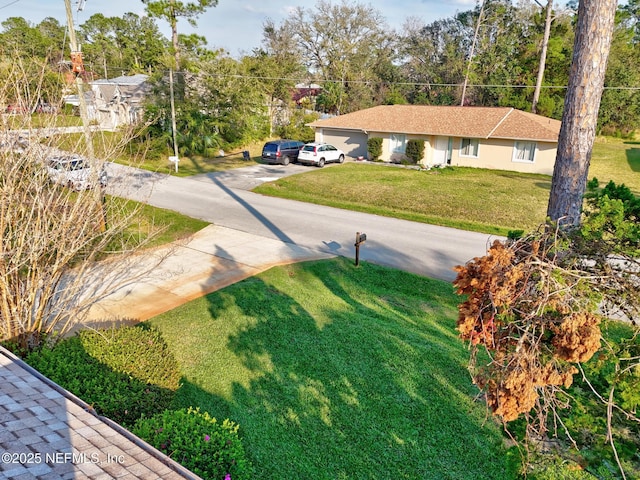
[[306, 81], [9, 4], [415, 84]]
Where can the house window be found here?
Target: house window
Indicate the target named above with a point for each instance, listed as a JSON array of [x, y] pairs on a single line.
[[524, 152], [398, 143], [469, 147]]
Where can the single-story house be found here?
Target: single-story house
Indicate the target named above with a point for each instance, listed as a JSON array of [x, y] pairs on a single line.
[[488, 137]]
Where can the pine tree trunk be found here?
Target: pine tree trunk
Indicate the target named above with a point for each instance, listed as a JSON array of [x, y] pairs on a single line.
[[586, 82]]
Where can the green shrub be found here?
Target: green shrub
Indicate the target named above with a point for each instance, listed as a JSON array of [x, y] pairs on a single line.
[[198, 442], [374, 148], [124, 373], [415, 150], [515, 234], [297, 127]]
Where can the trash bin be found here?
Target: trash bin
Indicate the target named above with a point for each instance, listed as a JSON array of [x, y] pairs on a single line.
[[246, 155]]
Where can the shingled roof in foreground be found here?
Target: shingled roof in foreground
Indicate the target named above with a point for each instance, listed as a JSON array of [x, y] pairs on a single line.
[[49, 434]]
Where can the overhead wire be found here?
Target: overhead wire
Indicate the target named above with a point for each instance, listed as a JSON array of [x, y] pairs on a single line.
[[9, 4]]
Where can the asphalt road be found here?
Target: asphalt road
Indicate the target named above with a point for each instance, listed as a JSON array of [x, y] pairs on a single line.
[[224, 199]]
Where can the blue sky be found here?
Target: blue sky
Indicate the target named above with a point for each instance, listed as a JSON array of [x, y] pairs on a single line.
[[235, 25]]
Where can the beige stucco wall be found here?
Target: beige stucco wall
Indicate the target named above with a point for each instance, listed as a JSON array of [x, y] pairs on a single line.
[[493, 154], [498, 155]]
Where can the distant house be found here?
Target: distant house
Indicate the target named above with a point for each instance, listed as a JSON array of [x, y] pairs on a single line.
[[306, 93], [487, 137], [118, 101], [115, 102]]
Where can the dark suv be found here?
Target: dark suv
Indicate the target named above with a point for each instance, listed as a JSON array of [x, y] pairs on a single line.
[[281, 151]]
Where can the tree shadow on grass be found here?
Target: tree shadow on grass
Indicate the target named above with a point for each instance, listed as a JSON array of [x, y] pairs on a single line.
[[633, 157], [341, 383]]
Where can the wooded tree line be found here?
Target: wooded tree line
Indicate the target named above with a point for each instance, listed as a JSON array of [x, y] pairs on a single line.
[[359, 61]]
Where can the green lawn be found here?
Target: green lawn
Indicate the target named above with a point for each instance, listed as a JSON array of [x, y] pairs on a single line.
[[617, 160], [159, 225], [40, 120], [335, 372], [469, 198], [488, 201]]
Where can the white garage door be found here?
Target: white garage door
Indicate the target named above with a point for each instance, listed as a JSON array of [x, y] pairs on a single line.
[[353, 144]]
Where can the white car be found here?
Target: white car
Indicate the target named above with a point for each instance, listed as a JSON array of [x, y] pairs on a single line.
[[74, 172], [319, 154]]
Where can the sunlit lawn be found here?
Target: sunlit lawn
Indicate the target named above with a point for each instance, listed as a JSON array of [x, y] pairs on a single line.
[[468, 198], [488, 201], [335, 372], [618, 160], [40, 120], [154, 226]]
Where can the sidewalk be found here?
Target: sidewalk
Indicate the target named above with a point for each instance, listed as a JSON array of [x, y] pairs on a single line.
[[213, 258]]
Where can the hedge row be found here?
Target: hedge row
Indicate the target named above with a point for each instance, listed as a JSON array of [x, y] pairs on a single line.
[[129, 374]]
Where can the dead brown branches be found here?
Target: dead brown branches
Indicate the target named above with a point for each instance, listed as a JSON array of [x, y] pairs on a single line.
[[535, 306]]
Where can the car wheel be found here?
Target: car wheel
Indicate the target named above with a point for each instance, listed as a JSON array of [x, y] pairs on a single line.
[[285, 160], [341, 159], [321, 163]]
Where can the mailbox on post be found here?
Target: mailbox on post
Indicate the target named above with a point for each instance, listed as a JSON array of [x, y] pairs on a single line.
[[174, 160], [360, 239]]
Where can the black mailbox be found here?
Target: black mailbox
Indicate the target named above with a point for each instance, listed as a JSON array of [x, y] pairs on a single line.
[[360, 239], [246, 155]]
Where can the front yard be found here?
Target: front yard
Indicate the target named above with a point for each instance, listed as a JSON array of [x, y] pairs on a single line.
[[338, 372]]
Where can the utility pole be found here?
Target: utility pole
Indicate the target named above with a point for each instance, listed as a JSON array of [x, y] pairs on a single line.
[[176, 158], [78, 69], [473, 47], [543, 55]]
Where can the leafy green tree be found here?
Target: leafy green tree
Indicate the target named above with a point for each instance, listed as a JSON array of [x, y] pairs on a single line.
[[222, 107], [343, 43], [296, 127], [277, 66], [433, 59], [330, 99], [20, 39], [171, 10], [195, 50], [630, 16], [113, 45], [620, 104]]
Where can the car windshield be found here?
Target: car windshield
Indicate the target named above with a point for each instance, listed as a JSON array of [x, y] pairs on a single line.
[[73, 165], [309, 148]]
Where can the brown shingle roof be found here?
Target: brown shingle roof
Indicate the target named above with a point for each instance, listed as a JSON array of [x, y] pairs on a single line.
[[473, 122]]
